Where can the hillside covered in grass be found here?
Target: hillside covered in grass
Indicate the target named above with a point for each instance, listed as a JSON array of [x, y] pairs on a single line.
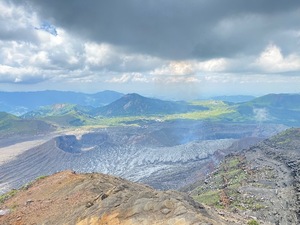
[[12, 125], [134, 109]]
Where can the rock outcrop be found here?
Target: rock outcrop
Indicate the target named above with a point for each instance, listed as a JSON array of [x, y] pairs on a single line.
[[262, 182], [69, 198]]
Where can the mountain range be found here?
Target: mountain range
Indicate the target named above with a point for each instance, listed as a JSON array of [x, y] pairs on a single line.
[[134, 108], [278, 108], [19, 103]]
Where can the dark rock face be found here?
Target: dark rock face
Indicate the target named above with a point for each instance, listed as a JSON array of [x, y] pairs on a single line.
[[94, 138], [285, 148], [68, 143]]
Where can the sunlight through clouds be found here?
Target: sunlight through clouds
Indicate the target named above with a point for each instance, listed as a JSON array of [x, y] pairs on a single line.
[[272, 60], [191, 67]]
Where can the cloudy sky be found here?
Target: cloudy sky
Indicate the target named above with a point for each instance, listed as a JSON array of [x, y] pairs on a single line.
[[168, 48]]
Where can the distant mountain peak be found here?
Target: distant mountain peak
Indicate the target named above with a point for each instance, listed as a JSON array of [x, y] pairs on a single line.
[[133, 95], [134, 104]]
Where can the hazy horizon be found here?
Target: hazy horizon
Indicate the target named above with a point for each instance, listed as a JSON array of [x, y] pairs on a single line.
[[158, 96]]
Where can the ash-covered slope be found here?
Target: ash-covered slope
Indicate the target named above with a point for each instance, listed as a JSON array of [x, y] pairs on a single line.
[[263, 181], [163, 155], [102, 154], [95, 199]]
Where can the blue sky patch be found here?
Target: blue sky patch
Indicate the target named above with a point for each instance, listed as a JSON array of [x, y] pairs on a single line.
[[48, 27]]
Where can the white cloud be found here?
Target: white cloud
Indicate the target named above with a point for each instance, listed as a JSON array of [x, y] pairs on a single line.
[[15, 17], [40, 58], [182, 79], [15, 53], [123, 79], [213, 65], [138, 77], [272, 60], [172, 80], [175, 68], [49, 41], [28, 74], [129, 77], [190, 67], [154, 79], [102, 56], [99, 54], [6, 70]]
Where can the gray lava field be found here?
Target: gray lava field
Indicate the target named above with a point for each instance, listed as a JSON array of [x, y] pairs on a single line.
[[163, 155]]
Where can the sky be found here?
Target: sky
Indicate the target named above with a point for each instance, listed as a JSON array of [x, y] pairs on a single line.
[[169, 48]]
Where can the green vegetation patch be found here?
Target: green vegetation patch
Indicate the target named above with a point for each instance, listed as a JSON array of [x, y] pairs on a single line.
[[8, 195], [211, 198], [215, 110], [221, 189], [13, 192], [31, 183], [252, 222], [10, 127], [68, 115]]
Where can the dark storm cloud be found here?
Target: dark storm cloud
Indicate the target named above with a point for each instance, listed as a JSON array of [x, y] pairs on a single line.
[[177, 29], [17, 35]]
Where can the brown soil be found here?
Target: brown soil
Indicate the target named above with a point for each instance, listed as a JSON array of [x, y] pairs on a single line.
[[69, 198]]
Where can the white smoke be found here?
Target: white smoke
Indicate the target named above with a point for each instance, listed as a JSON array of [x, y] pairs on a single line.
[[261, 114]]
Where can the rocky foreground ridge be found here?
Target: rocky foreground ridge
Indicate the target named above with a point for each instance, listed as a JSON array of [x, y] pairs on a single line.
[[262, 182], [69, 198]]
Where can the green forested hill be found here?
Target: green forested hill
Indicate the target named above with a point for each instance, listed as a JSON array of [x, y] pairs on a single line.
[[11, 125]]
